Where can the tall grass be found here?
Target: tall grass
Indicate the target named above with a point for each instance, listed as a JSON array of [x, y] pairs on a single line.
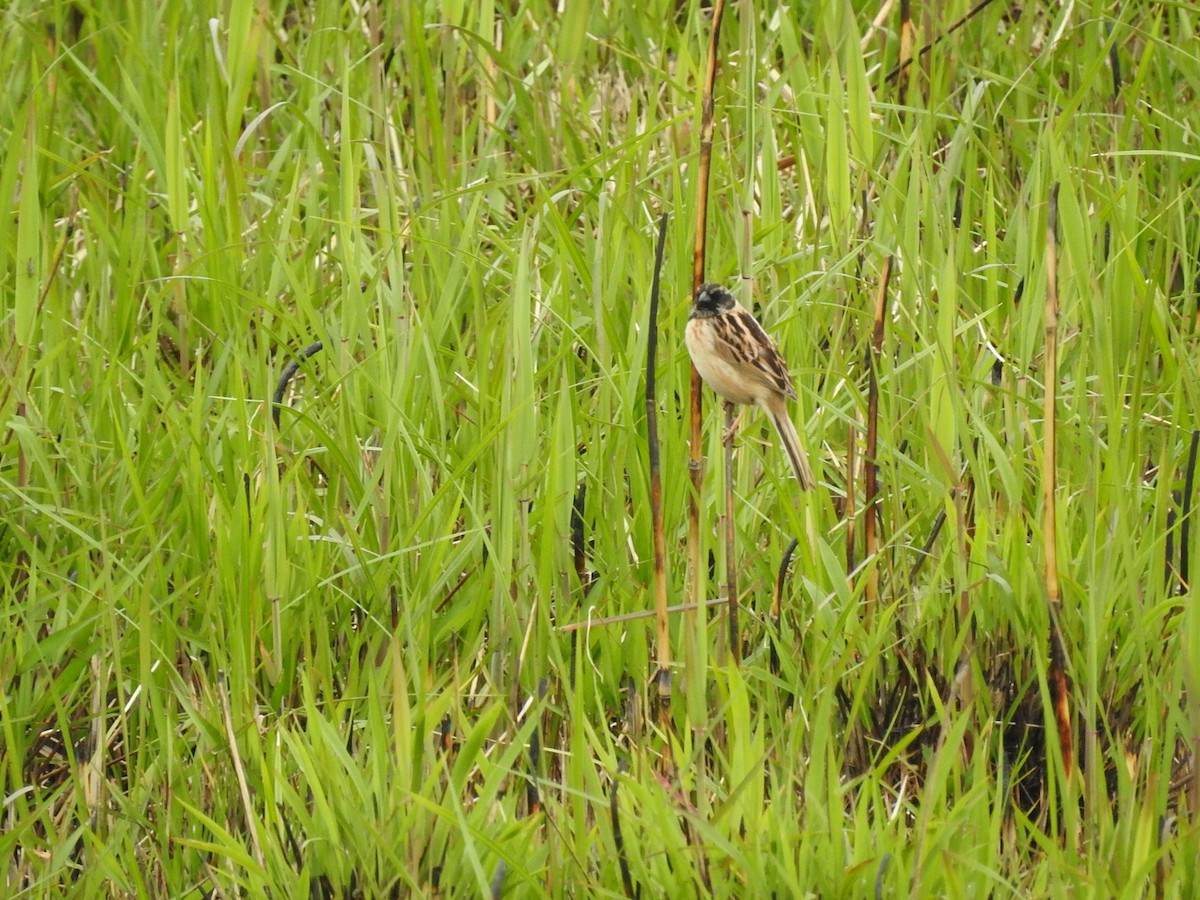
[[329, 657]]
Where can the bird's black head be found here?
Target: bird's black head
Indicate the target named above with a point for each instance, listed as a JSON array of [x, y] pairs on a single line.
[[711, 300]]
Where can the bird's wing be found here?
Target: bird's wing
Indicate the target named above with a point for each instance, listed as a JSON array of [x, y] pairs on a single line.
[[748, 348]]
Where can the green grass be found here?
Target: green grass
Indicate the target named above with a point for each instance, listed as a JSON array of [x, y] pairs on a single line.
[[251, 661]]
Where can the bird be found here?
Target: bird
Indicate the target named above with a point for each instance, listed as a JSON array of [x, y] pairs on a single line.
[[738, 360]]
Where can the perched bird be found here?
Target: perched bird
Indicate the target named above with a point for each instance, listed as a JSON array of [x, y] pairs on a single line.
[[739, 361]]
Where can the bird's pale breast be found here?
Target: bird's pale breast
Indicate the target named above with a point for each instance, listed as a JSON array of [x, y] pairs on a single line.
[[718, 374]]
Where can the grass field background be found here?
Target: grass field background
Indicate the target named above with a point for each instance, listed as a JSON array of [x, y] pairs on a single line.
[[328, 657]]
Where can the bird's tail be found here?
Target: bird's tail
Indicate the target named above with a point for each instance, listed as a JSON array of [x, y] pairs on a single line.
[[794, 447]]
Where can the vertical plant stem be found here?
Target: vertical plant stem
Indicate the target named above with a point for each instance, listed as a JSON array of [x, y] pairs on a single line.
[[730, 543], [870, 460], [694, 620], [663, 632], [1185, 518], [777, 602], [851, 501], [1058, 677], [907, 42], [614, 811]]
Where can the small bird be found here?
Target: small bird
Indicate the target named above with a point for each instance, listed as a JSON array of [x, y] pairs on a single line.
[[739, 361]]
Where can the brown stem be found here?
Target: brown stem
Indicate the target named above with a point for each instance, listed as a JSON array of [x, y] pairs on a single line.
[[696, 406], [849, 510], [1058, 676], [871, 457], [663, 635], [730, 544]]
